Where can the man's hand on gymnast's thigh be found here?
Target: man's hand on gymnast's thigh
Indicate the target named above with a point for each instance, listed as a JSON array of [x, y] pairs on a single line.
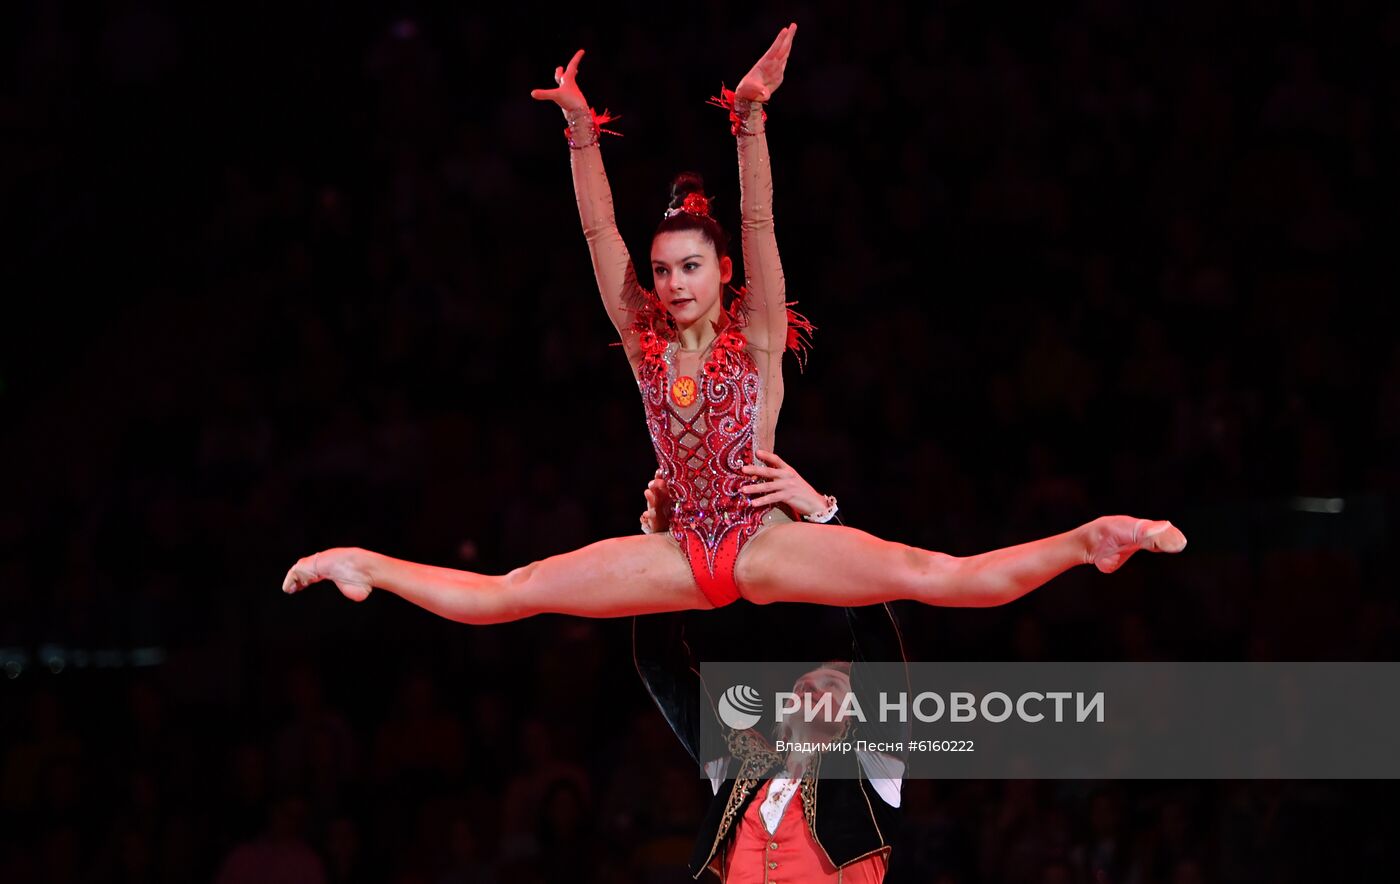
[[657, 517], [782, 484]]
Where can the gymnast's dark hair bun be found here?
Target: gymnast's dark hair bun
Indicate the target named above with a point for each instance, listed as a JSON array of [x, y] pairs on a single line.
[[684, 184]]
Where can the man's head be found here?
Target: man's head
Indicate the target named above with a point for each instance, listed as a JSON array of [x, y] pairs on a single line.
[[823, 690]]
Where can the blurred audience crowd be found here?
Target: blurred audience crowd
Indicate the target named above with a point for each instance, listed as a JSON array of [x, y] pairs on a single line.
[[313, 277]]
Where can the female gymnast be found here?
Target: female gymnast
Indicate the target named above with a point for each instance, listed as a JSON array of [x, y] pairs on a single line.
[[710, 375]]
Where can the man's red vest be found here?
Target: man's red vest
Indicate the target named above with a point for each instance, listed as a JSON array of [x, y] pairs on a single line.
[[754, 856]]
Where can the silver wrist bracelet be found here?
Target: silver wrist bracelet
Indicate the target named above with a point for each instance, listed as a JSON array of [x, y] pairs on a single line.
[[825, 515]]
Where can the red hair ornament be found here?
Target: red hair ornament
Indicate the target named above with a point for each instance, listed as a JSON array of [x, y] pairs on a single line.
[[695, 203]]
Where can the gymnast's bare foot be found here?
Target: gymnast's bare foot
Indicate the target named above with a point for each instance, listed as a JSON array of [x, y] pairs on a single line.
[[343, 565], [1113, 539]]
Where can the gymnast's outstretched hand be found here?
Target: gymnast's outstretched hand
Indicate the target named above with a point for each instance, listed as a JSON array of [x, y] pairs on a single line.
[[567, 94], [762, 81]]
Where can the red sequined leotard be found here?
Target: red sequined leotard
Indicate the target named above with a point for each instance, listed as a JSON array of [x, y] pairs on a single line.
[[702, 446]]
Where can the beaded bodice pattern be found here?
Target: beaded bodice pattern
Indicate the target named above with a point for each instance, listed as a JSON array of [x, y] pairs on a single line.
[[701, 447]]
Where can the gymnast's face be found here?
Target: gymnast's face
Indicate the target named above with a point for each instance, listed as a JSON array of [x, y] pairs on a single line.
[[689, 276]]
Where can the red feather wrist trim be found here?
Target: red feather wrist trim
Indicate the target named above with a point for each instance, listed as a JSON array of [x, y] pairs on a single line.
[[595, 124], [728, 100]]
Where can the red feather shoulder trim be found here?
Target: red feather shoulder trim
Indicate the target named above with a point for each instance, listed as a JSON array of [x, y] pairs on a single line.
[[799, 334]]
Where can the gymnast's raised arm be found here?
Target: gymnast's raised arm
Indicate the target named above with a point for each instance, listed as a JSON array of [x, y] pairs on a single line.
[[767, 323], [612, 265]]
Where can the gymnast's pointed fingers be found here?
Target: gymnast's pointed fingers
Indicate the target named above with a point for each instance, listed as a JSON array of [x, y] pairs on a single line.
[[782, 47], [776, 49], [572, 69]]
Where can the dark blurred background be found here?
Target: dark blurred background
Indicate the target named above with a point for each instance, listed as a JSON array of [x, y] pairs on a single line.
[[287, 276]]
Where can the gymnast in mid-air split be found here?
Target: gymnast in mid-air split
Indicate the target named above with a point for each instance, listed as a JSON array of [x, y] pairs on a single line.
[[708, 362]]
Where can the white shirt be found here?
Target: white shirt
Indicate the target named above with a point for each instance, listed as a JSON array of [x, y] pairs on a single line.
[[885, 773]]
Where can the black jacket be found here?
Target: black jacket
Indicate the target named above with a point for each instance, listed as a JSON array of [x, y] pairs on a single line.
[[847, 818]]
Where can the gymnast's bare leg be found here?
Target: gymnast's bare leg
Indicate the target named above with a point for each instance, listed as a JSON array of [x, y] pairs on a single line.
[[798, 562], [836, 565]]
